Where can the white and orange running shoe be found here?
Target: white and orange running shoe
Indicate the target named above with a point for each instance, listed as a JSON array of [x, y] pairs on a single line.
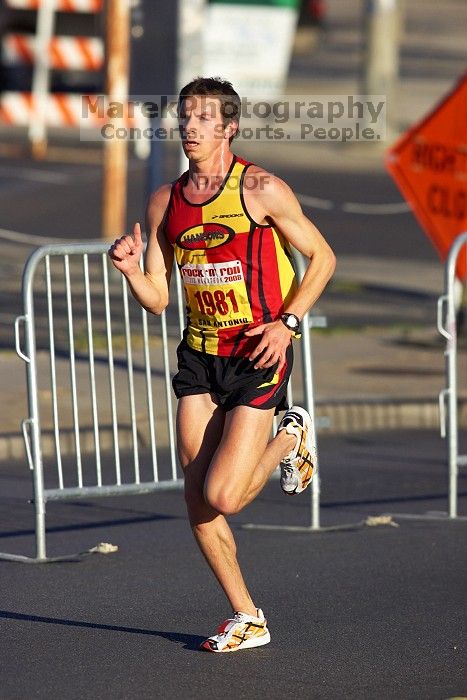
[[242, 631], [298, 466]]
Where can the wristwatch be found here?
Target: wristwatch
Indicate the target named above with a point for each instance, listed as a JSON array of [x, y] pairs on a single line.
[[291, 322]]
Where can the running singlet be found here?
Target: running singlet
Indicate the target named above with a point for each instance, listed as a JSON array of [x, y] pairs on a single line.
[[236, 273]]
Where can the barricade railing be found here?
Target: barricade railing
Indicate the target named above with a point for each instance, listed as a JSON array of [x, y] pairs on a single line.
[[448, 397], [93, 358]]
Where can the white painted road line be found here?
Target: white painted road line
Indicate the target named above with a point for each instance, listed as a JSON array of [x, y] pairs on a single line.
[[306, 200], [354, 207], [28, 238], [49, 176], [379, 209], [315, 202], [59, 178]]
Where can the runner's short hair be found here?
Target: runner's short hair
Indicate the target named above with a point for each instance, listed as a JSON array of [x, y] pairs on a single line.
[[215, 87]]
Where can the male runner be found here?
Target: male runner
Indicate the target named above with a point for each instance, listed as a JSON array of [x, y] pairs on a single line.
[[229, 224]]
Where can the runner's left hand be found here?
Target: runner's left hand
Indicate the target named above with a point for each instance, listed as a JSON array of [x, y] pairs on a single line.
[[272, 346]]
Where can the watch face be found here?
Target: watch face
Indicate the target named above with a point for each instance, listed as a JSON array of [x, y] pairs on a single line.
[[291, 321]]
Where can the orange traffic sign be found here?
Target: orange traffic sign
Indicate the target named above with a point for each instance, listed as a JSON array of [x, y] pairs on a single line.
[[429, 165]]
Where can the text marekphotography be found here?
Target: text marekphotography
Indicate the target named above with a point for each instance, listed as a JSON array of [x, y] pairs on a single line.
[[341, 118]]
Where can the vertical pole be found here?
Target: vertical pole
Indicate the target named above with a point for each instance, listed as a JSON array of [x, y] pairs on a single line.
[[451, 361], [190, 53], [307, 373], [451, 372], [155, 162], [33, 405], [116, 150], [41, 78], [382, 29], [307, 378], [111, 365]]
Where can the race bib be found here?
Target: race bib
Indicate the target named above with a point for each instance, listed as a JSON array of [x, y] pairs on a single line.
[[216, 294]]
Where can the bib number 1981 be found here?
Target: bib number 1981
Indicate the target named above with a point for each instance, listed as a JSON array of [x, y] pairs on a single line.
[[209, 302]]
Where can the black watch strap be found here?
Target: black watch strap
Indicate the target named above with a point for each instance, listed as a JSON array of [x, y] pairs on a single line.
[[292, 323]]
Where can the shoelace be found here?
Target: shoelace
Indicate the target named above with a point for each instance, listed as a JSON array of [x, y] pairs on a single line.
[[237, 618], [289, 475], [290, 460], [289, 464]]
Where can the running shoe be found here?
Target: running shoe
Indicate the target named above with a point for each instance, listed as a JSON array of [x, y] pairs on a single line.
[[298, 466], [242, 631]]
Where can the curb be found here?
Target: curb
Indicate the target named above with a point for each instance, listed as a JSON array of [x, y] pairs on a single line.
[[333, 418], [352, 415], [12, 444]]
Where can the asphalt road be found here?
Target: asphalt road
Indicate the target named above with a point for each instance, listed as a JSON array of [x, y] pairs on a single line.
[[41, 202], [358, 614], [362, 613], [61, 200]]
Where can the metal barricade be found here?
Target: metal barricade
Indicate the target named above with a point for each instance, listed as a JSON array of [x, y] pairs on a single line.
[[94, 359], [78, 320], [447, 326]]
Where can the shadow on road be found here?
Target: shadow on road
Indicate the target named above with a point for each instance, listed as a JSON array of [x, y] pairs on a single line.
[[189, 641], [92, 525]]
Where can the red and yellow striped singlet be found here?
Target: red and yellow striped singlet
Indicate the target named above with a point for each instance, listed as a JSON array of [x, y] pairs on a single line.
[[236, 273]]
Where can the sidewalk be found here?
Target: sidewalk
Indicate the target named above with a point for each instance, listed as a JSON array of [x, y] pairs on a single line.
[[384, 373]]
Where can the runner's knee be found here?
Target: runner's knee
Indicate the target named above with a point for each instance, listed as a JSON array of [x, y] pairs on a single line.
[[225, 501]]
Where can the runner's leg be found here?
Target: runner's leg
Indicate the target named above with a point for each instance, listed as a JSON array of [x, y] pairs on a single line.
[[244, 460], [200, 423]]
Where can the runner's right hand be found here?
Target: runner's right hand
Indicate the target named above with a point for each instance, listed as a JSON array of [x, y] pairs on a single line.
[[126, 251]]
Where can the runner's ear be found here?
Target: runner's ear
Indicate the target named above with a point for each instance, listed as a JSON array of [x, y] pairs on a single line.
[[229, 130]]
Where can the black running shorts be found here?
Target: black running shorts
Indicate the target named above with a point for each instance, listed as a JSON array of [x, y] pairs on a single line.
[[231, 381]]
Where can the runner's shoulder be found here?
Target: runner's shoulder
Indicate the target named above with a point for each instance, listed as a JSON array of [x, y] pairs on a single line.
[[260, 182], [158, 202], [161, 196]]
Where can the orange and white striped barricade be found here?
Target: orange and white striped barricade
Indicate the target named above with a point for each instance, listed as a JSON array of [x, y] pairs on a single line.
[[88, 6], [65, 52], [65, 110]]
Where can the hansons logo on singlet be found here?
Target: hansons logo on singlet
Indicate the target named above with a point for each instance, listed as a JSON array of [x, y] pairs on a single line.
[[205, 236]]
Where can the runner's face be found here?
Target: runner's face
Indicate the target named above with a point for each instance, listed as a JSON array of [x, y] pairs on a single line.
[[201, 127]]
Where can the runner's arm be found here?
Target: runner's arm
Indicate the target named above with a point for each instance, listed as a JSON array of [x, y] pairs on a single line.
[[151, 287], [276, 203], [285, 212], [158, 261]]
